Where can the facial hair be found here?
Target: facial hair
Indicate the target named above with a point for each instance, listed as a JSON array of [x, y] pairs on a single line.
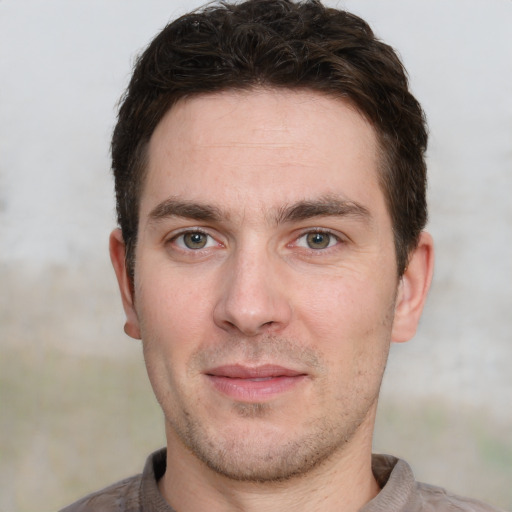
[[254, 449]]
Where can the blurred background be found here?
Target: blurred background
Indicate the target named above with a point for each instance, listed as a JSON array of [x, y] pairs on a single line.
[[77, 411]]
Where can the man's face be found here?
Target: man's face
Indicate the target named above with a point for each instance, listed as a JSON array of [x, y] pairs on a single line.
[[265, 279]]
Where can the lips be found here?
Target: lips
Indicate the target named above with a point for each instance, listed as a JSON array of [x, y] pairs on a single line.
[[258, 372], [253, 384]]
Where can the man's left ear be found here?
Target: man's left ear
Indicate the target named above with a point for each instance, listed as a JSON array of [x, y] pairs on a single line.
[[413, 289]]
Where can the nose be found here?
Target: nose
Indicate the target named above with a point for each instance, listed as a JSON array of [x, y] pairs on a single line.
[[252, 297]]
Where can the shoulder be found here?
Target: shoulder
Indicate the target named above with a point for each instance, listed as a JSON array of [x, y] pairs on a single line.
[[400, 492], [438, 499], [122, 496]]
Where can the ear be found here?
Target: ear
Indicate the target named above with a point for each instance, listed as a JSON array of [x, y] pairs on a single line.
[[118, 257], [413, 289]]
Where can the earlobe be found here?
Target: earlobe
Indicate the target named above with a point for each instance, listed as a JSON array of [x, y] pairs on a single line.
[[413, 290], [118, 257]]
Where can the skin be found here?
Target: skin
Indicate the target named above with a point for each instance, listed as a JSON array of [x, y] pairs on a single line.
[[264, 241]]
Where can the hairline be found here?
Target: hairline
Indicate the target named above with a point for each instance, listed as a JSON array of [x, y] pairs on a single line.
[[141, 165]]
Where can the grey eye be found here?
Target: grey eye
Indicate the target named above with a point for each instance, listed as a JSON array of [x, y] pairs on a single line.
[[318, 240], [195, 240]]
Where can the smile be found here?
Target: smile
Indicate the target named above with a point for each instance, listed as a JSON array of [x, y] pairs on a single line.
[[253, 384]]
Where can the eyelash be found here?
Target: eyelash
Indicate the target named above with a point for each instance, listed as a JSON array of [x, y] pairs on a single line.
[[213, 241], [174, 239], [320, 231]]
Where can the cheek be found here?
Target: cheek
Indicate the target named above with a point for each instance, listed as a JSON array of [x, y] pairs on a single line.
[[170, 300], [173, 319], [339, 306], [169, 323], [349, 321]]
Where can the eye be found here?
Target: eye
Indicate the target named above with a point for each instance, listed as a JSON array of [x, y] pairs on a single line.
[[317, 240], [194, 240]]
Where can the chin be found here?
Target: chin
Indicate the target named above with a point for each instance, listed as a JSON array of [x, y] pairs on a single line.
[[255, 462], [259, 451]]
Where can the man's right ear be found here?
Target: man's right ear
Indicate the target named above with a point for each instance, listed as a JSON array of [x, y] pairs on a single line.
[[118, 257]]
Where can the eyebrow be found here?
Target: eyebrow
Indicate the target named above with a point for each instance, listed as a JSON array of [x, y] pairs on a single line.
[[324, 207], [327, 206], [187, 209]]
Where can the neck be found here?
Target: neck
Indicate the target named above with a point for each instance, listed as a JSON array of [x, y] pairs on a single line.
[[343, 483]]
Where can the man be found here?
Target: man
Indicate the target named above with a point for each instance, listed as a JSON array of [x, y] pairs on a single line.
[[270, 183]]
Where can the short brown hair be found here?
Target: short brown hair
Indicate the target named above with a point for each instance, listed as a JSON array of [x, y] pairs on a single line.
[[276, 43]]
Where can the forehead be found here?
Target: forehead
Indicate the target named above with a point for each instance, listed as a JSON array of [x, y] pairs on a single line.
[[261, 147]]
